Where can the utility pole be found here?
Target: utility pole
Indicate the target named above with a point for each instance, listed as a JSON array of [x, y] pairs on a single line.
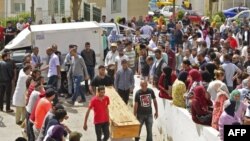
[[33, 10], [174, 10]]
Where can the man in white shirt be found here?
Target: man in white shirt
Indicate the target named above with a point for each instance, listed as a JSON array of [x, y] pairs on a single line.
[[110, 60], [223, 26], [119, 58], [152, 46], [54, 72]]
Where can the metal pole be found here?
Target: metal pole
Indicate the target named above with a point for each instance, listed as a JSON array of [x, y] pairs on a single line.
[[174, 10]]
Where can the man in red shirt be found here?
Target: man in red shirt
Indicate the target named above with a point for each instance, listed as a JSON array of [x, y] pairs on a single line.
[[99, 104], [232, 41], [1, 37]]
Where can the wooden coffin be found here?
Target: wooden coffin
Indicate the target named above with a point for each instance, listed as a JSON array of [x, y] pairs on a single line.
[[123, 122]]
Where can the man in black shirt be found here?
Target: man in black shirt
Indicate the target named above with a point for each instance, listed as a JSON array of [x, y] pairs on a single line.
[[6, 76], [100, 80], [9, 32], [88, 55], [143, 108]]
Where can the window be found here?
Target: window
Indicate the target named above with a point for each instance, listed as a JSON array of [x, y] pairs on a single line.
[[115, 6], [18, 7], [56, 7], [244, 14]]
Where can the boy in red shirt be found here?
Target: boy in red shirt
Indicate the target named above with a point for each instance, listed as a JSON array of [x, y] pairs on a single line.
[[99, 104]]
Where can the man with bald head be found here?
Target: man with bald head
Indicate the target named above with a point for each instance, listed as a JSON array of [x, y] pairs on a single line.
[[53, 69], [143, 108]]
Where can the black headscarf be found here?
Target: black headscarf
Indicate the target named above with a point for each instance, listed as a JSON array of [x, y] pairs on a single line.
[[230, 109], [167, 81], [183, 76]]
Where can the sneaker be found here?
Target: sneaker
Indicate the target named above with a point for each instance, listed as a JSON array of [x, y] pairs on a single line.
[[81, 101], [70, 102], [9, 111], [19, 123], [61, 95]]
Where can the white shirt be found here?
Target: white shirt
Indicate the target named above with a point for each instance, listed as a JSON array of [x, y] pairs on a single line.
[[246, 35], [213, 86], [244, 53], [19, 94], [119, 59], [153, 46], [230, 70], [53, 63], [110, 58], [222, 28]]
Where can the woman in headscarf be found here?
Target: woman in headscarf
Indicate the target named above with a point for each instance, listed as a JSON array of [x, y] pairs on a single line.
[[214, 86], [227, 117], [218, 108], [165, 83], [113, 37], [200, 107], [178, 90], [240, 108], [195, 80]]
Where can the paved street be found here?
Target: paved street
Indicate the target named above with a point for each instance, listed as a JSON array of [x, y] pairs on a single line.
[[9, 131]]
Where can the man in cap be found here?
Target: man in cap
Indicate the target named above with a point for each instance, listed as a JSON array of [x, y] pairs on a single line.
[[110, 60]]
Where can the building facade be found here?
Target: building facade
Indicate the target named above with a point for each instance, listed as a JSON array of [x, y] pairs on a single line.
[[122, 8]]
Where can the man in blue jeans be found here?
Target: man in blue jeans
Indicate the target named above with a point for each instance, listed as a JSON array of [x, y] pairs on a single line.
[[143, 109], [79, 73]]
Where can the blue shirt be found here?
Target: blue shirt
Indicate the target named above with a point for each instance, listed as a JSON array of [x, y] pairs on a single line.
[[124, 79]]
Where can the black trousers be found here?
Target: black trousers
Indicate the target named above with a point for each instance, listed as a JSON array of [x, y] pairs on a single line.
[[124, 94], [102, 128], [29, 128], [5, 90]]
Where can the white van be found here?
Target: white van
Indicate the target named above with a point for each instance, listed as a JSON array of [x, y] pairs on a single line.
[[62, 34]]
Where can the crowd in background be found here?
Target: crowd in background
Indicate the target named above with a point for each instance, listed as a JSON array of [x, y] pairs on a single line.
[[197, 66]]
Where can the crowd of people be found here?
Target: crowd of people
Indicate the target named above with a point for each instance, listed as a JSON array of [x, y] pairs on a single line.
[[197, 66]]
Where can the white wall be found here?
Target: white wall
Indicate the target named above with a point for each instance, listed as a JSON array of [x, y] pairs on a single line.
[[176, 124], [107, 11]]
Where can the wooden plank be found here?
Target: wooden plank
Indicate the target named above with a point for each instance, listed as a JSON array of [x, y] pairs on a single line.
[[123, 122]]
